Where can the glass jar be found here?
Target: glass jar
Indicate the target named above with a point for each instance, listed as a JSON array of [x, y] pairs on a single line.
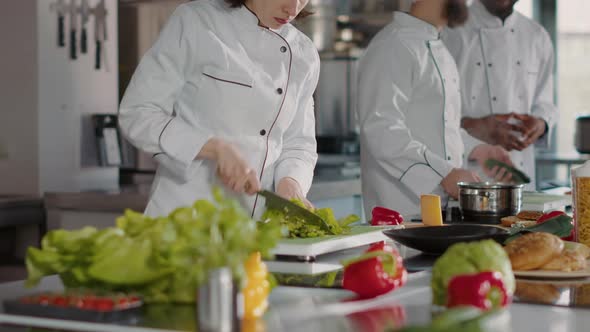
[[581, 200]]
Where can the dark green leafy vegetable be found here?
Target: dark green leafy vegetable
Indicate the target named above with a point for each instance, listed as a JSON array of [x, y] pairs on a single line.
[[560, 226], [163, 259], [518, 176], [299, 228], [324, 280]]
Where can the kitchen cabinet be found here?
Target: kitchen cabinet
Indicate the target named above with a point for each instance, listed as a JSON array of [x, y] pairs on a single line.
[[22, 224]]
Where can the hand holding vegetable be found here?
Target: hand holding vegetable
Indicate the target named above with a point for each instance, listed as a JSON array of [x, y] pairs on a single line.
[[378, 271]]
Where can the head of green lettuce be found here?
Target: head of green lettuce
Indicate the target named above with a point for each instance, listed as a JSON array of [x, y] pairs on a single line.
[[470, 258]]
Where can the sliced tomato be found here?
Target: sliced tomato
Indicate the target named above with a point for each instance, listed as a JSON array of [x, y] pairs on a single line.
[[44, 299], [123, 302], [104, 304]]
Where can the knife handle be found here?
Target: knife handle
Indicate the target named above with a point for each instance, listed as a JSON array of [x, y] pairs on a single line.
[[73, 54], [84, 42], [97, 55], [61, 40]]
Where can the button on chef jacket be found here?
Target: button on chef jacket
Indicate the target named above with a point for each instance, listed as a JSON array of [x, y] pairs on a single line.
[[214, 72], [409, 112], [505, 67]]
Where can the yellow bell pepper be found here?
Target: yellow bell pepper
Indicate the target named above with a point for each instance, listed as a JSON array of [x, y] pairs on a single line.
[[257, 287], [253, 325]]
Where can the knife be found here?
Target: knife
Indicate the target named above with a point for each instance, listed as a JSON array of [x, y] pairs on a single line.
[[73, 29], [85, 15], [100, 32], [61, 8], [292, 210]]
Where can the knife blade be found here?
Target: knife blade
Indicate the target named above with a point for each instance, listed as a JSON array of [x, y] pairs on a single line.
[[292, 210]]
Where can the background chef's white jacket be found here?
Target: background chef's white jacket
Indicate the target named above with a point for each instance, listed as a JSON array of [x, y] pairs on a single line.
[[215, 72], [409, 112], [504, 67]]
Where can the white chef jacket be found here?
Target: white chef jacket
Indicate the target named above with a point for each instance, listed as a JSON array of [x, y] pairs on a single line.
[[409, 112], [504, 67], [215, 72]]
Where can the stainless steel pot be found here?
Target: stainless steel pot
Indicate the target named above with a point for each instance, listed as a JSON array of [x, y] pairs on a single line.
[[321, 26], [488, 202]]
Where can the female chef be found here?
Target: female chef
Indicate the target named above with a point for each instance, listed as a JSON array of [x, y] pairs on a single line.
[[224, 97]]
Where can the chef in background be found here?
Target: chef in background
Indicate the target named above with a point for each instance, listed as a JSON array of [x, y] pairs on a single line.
[[506, 64], [224, 97], [410, 110]]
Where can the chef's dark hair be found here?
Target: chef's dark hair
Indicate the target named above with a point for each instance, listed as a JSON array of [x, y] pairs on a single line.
[[239, 3]]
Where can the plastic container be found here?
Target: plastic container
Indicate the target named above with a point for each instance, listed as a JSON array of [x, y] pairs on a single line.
[[581, 198]]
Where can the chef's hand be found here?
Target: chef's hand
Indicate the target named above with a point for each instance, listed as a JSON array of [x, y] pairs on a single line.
[[232, 169], [289, 188], [496, 130], [449, 183], [535, 127], [483, 152]]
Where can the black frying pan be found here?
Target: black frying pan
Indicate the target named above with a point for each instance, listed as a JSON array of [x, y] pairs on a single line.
[[436, 239]]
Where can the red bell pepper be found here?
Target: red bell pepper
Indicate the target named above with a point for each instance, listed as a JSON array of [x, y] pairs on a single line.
[[383, 217], [378, 271], [484, 290], [379, 319], [553, 214]]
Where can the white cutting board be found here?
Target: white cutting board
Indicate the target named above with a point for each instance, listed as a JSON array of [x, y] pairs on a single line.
[[534, 201], [358, 236]]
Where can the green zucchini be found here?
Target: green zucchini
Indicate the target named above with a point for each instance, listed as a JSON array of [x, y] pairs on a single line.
[[517, 176]]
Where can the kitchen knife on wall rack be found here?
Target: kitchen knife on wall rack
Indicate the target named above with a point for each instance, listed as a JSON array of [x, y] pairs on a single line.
[[100, 32], [73, 29], [85, 17], [62, 9]]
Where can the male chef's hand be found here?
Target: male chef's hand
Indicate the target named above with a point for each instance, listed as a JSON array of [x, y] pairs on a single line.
[[289, 188], [232, 169], [496, 130], [483, 152], [449, 183], [535, 128]]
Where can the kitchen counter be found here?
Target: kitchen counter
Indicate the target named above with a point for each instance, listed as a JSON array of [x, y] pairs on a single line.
[[311, 309], [136, 197]]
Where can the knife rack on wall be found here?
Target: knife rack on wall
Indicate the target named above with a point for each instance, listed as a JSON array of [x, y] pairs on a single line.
[[78, 14]]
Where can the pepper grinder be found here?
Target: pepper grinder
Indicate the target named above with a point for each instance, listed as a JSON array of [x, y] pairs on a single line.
[[220, 304]]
